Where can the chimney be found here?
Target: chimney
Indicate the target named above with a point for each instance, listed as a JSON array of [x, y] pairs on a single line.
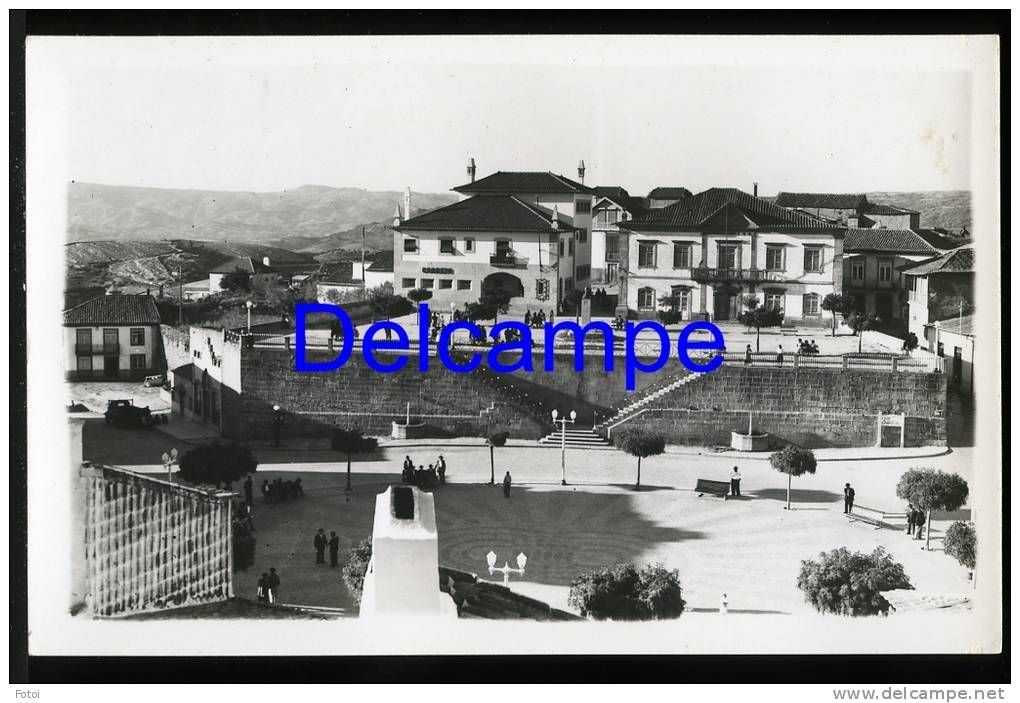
[[756, 189], [471, 170], [580, 171], [396, 214], [556, 217], [265, 261], [403, 575], [407, 203]]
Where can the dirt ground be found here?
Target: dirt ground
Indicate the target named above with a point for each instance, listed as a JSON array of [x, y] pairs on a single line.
[[95, 394]]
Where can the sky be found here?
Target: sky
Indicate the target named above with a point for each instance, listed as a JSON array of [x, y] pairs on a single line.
[[797, 114]]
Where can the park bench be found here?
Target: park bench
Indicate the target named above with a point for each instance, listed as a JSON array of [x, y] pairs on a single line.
[[716, 488], [876, 518]]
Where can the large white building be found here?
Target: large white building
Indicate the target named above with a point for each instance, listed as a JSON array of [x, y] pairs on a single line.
[[113, 337]]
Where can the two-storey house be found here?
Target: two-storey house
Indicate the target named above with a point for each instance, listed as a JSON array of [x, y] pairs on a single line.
[[712, 248], [608, 242], [939, 288], [113, 337]]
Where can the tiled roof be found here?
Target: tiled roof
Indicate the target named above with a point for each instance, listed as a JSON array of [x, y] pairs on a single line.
[[524, 182], [244, 263], [336, 272], [900, 241], [701, 209], [957, 324], [836, 201], [883, 209], [613, 192], [956, 261], [485, 213], [669, 193], [117, 309], [938, 240], [383, 262], [481, 599]]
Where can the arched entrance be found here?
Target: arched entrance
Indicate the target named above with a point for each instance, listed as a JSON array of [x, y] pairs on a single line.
[[506, 282]]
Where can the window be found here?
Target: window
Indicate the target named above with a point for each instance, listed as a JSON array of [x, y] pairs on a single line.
[[681, 255], [683, 294], [612, 247], [84, 363], [811, 304], [560, 250], [137, 336], [569, 285], [857, 271], [463, 285], [582, 207], [428, 283], [445, 284], [584, 272], [941, 350], [570, 247], [646, 298], [542, 289], [407, 283], [812, 258], [774, 258], [774, 300], [410, 245], [138, 361], [582, 235], [446, 246], [727, 256], [607, 217], [83, 342], [646, 254], [912, 283], [884, 271], [469, 244]]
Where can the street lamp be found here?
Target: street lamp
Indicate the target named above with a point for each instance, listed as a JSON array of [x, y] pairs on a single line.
[[169, 459], [248, 304], [563, 440], [277, 424], [506, 569]]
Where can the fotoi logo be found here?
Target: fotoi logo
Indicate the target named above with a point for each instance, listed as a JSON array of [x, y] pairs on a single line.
[[522, 345]]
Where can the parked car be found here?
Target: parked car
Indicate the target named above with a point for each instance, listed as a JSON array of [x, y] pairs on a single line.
[[154, 381], [124, 413]]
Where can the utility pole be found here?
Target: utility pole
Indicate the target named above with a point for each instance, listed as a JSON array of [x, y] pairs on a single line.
[[363, 258], [180, 295]]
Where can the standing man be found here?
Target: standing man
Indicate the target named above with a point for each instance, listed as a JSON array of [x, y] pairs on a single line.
[[247, 491], [441, 470], [911, 523], [919, 521], [320, 546], [779, 355], [506, 485], [265, 491], [735, 482], [334, 548], [273, 584], [848, 499], [747, 356], [408, 470]]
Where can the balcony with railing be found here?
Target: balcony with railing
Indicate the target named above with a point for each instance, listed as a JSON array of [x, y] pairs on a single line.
[[108, 349], [508, 260], [704, 274]]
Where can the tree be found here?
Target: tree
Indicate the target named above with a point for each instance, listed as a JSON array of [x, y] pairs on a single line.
[[351, 442], [859, 322], [793, 461], [419, 295], [496, 439], [387, 305], [219, 462], [960, 542], [757, 317], [837, 304], [355, 568], [930, 490], [491, 303], [621, 592], [236, 280], [640, 443], [848, 583]]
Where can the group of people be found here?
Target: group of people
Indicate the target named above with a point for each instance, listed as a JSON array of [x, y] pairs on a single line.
[[269, 587], [807, 346], [321, 543], [280, 491], [421, 477], [538, 320], [915, 521]]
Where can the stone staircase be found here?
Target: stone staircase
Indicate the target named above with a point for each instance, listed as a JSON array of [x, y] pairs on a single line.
[[647, 398], [576, 437]]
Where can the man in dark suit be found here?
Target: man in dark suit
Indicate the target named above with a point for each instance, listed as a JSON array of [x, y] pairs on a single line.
[[441, 470], [506, 485], [320, 546], [273, 583], [247, 491], [334, 548], [848, 499]]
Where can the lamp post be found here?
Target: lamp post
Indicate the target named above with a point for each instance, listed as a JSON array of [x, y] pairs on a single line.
[[169, 459], [248, 304], [506, 569], [563, 441], [277, 424]]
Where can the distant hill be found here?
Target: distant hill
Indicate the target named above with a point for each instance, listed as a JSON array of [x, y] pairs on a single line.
[[107, 212], [939, 208]]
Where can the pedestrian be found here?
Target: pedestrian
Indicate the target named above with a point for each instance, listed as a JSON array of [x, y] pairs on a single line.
[[262, 594], [334, 548], [299, 489], [779, 355], [747, 356], [527, 318], [273, 585], [848, 499], [724, 605], [919, 521], [389, 333], [247, 491], [441, 470], [735, 482], [320, 546], [265, 491], [911, 522], [506, 485]]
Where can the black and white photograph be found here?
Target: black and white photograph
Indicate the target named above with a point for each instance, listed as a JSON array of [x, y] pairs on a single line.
[[508, 344]]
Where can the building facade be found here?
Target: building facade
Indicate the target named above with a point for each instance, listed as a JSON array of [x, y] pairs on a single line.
[[612, 205], [709, 250], [938, 288], [259, 272], [113, 337]]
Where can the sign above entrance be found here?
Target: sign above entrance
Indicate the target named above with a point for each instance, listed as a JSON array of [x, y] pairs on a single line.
[[432, 269]]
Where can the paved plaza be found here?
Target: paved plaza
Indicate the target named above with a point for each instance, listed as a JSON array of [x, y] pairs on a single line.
[[749, 548]]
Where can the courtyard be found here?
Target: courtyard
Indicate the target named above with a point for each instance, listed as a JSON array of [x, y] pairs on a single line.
[[748, 548]]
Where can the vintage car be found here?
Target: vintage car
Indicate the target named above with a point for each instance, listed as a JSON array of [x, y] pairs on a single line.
[[124, 413]]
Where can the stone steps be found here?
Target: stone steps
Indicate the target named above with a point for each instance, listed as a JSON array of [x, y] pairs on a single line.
[[583, 438]]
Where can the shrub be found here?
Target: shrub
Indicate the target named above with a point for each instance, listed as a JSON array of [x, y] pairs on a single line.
[[621, 592], [670, 317], [960, 543], [220, 462], [355, 568], [236, 280], [848, 583]]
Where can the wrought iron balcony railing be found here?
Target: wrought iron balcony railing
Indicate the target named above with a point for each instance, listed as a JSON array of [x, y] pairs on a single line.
[[508, 260], [703, 273]]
